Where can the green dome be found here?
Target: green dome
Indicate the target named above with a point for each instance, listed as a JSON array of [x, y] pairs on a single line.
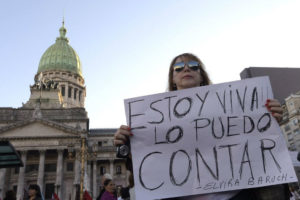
[[60, 56]]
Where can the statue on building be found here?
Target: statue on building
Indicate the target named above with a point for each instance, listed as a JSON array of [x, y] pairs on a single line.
[[42, 83]]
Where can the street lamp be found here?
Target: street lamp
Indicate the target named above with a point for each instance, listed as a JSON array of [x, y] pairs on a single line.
[[83, 155], [86, 154]]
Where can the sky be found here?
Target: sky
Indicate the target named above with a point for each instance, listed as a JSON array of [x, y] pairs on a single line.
[[125, 47]]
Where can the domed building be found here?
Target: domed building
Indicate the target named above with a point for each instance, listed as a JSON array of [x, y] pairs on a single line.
[[52, 136], [61, 65]]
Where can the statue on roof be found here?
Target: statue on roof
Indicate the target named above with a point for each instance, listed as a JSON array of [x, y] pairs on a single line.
[[44, 83]]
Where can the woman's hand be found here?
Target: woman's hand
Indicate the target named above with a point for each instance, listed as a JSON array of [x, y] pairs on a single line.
[[275, 108], [122, 134]]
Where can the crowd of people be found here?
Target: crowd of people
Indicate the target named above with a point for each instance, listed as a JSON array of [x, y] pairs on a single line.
[[33, 193]]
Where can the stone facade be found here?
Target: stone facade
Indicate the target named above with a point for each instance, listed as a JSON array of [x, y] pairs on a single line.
[[290, 124], [50, 147]]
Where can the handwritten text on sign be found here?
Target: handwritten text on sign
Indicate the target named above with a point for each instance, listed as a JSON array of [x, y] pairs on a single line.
[[206, 139]]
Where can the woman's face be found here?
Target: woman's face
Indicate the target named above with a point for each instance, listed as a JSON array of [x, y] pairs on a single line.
[[110, 187], [186, 78], [32, 192]]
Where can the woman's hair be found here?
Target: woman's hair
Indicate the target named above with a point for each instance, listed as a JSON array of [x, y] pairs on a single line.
[[203, 73], [36, 188], [106, 182]]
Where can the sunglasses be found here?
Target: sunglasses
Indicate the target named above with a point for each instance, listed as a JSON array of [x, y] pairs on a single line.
[[193, 65]]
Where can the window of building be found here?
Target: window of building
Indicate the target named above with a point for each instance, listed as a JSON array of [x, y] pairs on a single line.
[[79, 96], [70, 166], [102, 170], [75, 93], [70, 92], [296, 131], [50, 167], [118, 169], [32, 168], [100, 144], [63, 90], [49, 190]]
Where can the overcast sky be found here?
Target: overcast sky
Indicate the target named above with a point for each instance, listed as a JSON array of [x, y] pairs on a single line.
[[125, 47]]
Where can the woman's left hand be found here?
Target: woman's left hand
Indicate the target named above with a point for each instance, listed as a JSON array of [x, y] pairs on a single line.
[[274, 108]]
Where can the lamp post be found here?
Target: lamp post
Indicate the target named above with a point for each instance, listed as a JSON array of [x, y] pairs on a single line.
[[86, 154]]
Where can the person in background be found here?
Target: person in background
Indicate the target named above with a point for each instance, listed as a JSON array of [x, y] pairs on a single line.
[[34, 192], [102, 189], [187, 71], [10, 195], [109, 191]]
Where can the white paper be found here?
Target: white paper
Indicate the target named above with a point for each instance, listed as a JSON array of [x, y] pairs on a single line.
[[206, 139]]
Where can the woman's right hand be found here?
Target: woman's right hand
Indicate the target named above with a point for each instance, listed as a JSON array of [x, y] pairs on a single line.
[[122, 135]]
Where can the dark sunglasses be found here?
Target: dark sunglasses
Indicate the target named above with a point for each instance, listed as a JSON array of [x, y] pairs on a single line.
[[193, 65]]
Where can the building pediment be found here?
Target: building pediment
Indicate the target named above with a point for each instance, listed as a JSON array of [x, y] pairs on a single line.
[[38, 128]]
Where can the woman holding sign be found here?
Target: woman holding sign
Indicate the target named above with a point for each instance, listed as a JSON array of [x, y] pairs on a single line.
[[187, 71]]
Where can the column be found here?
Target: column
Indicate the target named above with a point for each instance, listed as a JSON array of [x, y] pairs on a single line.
[[41, 172], [2, 182], [95, 185], [111, 170], [20, 190], [76, 174], [89, 177], [59, 173]]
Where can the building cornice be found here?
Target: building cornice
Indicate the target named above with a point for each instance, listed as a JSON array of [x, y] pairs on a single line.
[[53, 124]]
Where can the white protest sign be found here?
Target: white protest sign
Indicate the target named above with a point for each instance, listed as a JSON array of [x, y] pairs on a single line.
[[206, 139]]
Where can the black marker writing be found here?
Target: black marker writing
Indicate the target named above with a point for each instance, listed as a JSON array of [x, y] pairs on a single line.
[[230, 155], [134, 115], [169, 105], [241, 102], [245, 153], [214, 175], [190, 102], [203, 101], [155, 109], [254, 99], [140, 172], [172, 177], [222, 102], [269, 148]]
